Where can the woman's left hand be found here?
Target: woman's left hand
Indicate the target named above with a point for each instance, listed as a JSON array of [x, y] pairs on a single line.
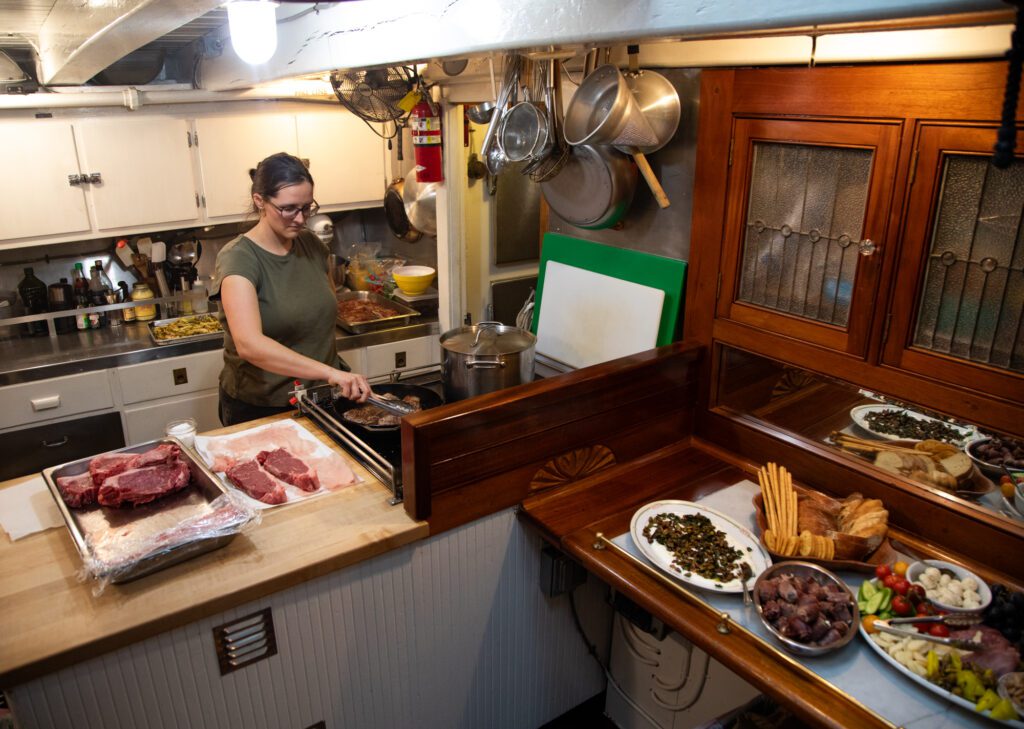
[[350, 385]]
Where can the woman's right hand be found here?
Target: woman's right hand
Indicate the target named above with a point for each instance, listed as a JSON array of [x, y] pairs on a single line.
[[350, 385]]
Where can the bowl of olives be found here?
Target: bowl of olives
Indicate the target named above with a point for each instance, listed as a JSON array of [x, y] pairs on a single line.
[[992, 453]]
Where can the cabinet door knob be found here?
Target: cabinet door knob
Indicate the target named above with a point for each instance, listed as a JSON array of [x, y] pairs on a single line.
[[867, 247]]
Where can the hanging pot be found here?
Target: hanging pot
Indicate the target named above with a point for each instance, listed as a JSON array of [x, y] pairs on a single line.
[[420, 200], [485, 357], [594, 189], [394, 211]]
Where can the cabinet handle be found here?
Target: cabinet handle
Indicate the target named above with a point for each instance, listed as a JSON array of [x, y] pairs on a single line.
[[75, 180], [867, 247], [45, 403], [56, 444], [94, 178]]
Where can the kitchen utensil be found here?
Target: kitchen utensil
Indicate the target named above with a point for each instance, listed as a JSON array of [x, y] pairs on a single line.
[[481, 113], [420, 200], [967, 645], [395, 407], [385, 435], [916, 569], [594, 189], [495, 160], [603, 111], [144, 246], [485, 357], [589, 317], [659, 103], [523, 131], [958, 620], [556, 152], [394, 212], [746, 572]]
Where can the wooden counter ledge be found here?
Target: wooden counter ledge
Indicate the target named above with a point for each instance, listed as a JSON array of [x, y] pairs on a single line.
[[51, 620]]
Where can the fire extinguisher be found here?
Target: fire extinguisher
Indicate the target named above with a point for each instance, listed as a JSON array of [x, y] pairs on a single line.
[[426, 142]]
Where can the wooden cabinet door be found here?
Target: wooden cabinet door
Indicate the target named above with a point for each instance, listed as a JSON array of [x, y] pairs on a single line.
[[806, 200], [230, 146], [36, 198], [346, 158], [146, 171], [959, 316]]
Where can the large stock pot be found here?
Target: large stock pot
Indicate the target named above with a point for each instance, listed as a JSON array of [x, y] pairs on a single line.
[[485, 357]]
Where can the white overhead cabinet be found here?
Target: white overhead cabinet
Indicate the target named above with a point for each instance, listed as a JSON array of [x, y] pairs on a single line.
[[346, 158], [230, 146], [144, 168], [36, 197]]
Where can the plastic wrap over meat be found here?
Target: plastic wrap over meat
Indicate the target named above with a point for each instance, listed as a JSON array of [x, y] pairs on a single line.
[[117, 552]]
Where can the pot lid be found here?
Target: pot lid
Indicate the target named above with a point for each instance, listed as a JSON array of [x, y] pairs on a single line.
[[488, 339]]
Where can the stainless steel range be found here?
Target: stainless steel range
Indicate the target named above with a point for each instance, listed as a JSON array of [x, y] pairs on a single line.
[[377, 448]]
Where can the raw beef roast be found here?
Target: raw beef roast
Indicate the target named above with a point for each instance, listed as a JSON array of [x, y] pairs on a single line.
[[104, 466], [254, 481], [142, 485], [78, 491], [288, 468]]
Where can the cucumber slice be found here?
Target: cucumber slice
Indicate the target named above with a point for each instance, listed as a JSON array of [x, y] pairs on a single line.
[[874, 604], [867, 590]]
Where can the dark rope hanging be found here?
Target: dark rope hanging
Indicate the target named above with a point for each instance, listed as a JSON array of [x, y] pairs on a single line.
[[1006, 139]]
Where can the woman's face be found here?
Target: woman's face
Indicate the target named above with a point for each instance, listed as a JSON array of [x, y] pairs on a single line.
[[286, 212]]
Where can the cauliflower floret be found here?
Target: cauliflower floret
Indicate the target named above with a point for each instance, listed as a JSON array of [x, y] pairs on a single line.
[[931, 572]]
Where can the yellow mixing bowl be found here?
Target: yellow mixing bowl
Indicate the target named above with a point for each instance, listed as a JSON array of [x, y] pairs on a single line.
[[413, 280]]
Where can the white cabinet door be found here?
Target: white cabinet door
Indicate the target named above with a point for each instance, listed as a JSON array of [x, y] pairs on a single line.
[[230, 146], [345, 157], [146, 170], [148, 420], [171, 376], [35, 196], [383, 358]]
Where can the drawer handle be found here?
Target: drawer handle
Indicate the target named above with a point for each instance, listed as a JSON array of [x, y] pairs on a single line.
[[57, 444], [46, 403]]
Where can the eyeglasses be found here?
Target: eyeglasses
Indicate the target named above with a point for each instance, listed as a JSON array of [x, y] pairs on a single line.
[[290, 211]]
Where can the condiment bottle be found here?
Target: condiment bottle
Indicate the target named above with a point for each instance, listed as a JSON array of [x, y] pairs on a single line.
[[142, 292], [62, 297], [97, 297], [129, 313], [81, 286], [33, 296]]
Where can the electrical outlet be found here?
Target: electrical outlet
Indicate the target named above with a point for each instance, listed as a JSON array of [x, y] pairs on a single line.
[[399, 360], [180, 376], [558, 573]]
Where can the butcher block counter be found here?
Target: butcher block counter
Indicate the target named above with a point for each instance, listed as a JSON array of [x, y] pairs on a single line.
[[48, 619]]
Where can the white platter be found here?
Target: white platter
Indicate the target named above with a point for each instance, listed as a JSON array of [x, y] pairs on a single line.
[[934, 688], [736, 536], [859, 416]]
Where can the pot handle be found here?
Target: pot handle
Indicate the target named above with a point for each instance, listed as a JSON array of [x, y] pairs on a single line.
[[490, 327], [487, 364]]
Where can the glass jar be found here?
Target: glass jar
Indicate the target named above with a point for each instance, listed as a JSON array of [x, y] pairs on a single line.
[[142, 292], [184, 430]]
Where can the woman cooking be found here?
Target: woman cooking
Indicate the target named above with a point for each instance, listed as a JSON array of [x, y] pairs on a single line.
[[278, 303]]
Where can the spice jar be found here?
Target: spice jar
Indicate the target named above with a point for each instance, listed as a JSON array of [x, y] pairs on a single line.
[[141, 292]]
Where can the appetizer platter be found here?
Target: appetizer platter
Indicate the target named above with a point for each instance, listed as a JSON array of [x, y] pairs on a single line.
[[802, 523], [892, 422], [697, 545], [185, 329], [958, 652]]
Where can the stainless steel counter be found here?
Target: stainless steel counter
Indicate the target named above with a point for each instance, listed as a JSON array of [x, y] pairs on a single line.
[[38, 358]]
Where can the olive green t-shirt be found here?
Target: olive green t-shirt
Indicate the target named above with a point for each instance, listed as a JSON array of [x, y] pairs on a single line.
[[297, 309]]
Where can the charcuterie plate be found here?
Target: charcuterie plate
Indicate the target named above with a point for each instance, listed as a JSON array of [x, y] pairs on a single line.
[[735, 536], [934, 688]]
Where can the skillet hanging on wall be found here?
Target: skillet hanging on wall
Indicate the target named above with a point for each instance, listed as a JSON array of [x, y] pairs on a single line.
[[394, 205]]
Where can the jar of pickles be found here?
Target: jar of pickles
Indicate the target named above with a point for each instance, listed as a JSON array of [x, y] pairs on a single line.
[[142, 292]]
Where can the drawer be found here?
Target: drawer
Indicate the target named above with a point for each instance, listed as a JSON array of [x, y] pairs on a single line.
[[30, 450], [383, 358], [33, 402], [172, 376], [146, 422]]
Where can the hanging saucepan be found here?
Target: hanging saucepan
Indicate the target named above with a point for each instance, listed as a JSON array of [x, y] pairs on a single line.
[[594, 188], [485, 357], [428, 399]]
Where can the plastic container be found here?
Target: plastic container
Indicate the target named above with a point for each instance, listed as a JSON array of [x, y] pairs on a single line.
[[142, 292]]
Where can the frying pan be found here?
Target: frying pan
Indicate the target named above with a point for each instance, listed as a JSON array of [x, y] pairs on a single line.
[[594, 189], [394, 211], [428, 399]]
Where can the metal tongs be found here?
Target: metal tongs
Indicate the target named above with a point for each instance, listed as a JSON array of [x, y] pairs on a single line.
[[395, 407], [967, 645]]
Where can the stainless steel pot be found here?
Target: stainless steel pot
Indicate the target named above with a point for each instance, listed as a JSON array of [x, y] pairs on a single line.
[[485, 357]]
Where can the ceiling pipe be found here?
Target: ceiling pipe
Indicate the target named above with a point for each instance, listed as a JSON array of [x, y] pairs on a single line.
[[133, 99]]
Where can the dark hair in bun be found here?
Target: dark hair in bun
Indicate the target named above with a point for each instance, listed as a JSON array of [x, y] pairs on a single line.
[[278, 171]]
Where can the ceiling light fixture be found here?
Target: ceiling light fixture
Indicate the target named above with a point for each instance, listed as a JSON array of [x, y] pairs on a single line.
[[253, 28]]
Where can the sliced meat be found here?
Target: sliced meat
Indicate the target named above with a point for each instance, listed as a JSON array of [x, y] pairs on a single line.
[[997, 653], [257, 483], [106, 465], [288, 468], [77, 491], [142, 485]]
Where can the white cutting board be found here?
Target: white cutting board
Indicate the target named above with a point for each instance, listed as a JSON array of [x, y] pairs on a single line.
[[588, 317]]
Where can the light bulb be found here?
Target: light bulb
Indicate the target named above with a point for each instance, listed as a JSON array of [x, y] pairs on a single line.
[[253, 26]]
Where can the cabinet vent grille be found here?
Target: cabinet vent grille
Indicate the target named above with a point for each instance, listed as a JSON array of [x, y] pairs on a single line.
[[245, 641]]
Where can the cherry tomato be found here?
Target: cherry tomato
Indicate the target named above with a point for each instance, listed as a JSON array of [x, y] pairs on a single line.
[[869, 623], [882, 571], [890, 581], [901, 606], [939, 630], [900, 568], [901, 586]]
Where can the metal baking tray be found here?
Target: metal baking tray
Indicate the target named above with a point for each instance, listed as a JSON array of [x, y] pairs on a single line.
[[405, 313], [152, 518], [178, 340]]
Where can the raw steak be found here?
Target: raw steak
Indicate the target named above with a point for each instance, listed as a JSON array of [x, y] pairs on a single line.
[[78, 491], [104, 466], [255, 482], [288, 468], [142, 485]]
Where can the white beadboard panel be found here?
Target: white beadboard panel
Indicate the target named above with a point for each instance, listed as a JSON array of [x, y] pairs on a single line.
[[446, 633]]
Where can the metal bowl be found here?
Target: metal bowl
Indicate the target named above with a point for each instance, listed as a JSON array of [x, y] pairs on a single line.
[[805, 569]]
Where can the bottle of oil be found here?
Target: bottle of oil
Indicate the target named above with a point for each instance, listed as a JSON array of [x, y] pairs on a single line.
[[33, 295]]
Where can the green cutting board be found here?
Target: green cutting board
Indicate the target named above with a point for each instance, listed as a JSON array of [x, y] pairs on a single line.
[[646, 269]]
